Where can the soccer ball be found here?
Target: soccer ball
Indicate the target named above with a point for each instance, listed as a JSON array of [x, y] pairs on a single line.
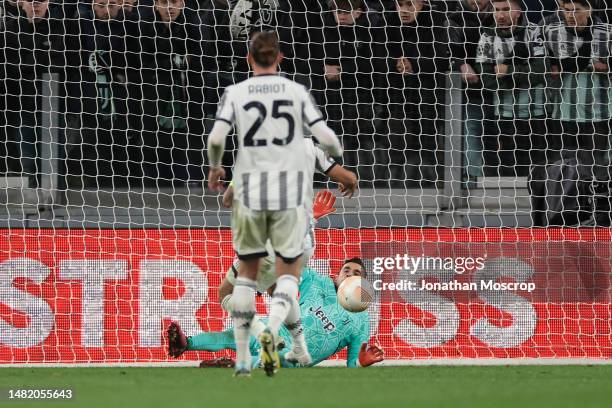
[[355, 294]]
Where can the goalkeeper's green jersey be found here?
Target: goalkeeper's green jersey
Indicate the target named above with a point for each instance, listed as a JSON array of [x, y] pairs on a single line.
[[328, 328]]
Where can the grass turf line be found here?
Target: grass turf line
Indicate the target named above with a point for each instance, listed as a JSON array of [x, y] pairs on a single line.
[[406, 387]]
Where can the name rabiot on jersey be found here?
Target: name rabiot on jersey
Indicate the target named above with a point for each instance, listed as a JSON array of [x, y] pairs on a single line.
[[269, 113]]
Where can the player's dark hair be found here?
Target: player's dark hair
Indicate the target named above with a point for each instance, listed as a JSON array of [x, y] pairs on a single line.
[[585, 3], [345, 5], [519, 3], [264, 48], [359, 262], [405, 2]]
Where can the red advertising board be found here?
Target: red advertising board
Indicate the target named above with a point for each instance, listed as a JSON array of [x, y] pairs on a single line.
[[105, 296]]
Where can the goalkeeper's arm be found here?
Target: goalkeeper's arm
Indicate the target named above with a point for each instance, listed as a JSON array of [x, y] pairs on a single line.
[[360, 354], [370, 354]]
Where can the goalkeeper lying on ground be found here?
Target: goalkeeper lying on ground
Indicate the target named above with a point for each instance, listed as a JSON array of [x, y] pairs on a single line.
[[328, 328], [323, 204]]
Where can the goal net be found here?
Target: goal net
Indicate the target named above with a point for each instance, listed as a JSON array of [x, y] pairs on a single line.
[[479, 131]]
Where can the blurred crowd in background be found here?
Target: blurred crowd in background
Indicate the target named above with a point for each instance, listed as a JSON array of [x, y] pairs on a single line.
[[139, 82]]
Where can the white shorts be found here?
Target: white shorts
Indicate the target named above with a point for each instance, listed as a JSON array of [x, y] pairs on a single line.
[[266, 276], [285, 229]]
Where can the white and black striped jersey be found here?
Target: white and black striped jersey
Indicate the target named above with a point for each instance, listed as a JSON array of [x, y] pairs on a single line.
[[563, 42], [516, 95], [273, 166], [583, 95]]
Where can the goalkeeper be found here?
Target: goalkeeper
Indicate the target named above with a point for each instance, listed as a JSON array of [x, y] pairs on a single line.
[[328, 328]]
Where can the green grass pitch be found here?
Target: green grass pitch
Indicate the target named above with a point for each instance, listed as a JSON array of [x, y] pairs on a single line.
[[406, 387]]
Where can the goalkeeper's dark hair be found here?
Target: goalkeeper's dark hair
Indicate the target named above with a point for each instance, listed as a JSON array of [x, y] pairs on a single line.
[[264, 48], [359, 262]]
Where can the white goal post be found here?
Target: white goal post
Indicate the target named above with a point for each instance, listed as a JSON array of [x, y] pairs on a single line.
[[479, 131]]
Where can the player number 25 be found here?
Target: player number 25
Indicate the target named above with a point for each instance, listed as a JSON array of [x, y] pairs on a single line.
[[249, 138]]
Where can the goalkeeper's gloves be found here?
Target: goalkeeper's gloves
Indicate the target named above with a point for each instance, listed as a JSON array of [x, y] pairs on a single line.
[[323, 204], [369, 355]]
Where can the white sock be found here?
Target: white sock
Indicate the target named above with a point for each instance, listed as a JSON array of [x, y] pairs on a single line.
[[243, 311], [285, 293], [257, 326], [293, 322]]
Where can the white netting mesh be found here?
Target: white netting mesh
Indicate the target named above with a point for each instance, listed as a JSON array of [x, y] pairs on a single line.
[[466, 113]]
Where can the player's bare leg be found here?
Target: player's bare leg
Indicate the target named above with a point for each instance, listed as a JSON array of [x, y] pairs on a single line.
[[243, 312], [284, 308]]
